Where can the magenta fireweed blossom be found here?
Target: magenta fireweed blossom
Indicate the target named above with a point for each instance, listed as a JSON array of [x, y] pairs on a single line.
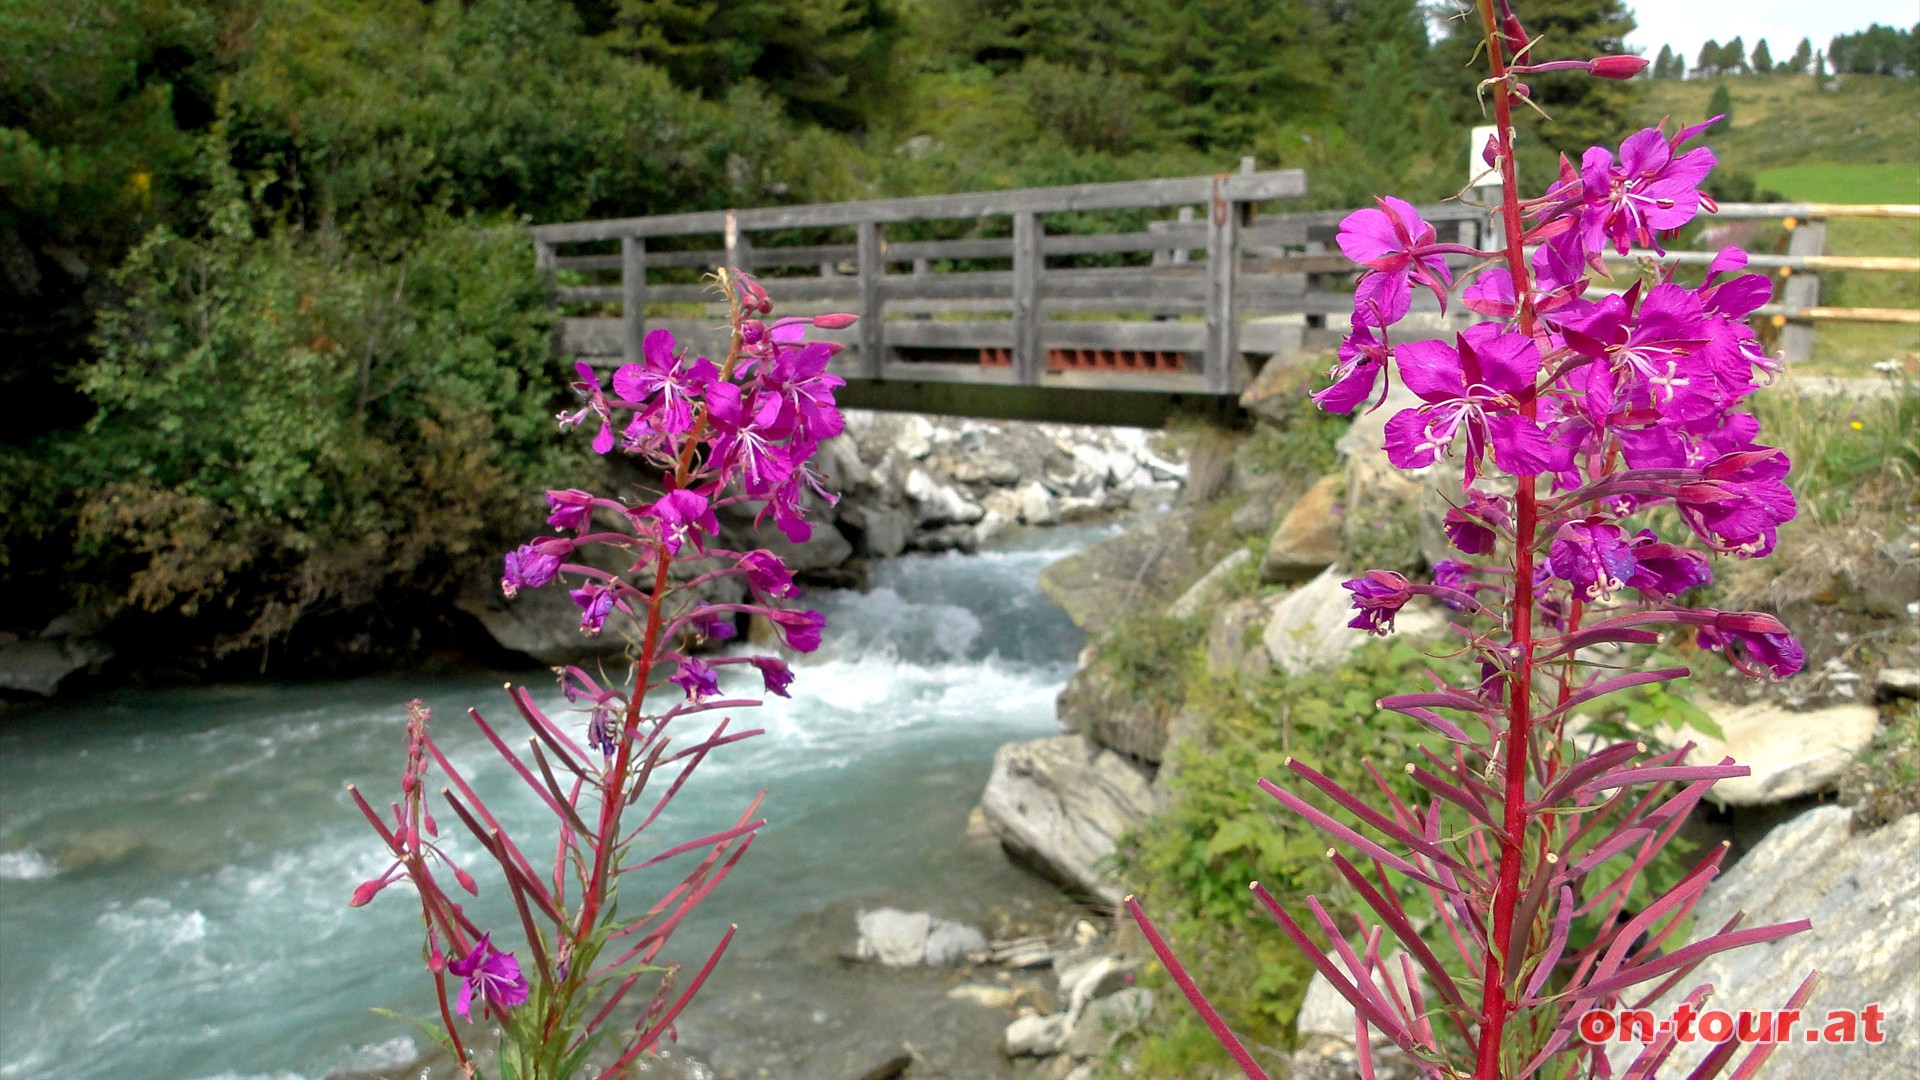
[[1663, 571], [1524, 848], [767, 576], [1362, 357], [1473, 528], [596, 407], [1378, 595], [529, 566], [595, 602], [1479, 387], [683, 517], [1592, 555], [1391, 243], [492, 977], [1653, 189], [776, 675], [662, 385], [706, 436], [799, 629], [572, 509], [696, 678]]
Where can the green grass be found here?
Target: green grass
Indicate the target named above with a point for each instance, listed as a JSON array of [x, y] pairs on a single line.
[[1787, 121], [1858, 141], [1832, 182]]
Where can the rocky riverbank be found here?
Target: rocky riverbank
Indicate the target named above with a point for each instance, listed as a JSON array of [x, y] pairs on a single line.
[[1246, 571]]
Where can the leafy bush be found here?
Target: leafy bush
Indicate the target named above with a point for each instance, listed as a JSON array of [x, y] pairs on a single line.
[[287, 425], [1194, 859]]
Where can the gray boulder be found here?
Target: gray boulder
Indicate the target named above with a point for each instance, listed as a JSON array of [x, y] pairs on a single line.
[[1308, 627], [1308, 539], [1791, 753], [898, 938], [37, 665], [1862, 892], [1142, 568], [1058, 804]]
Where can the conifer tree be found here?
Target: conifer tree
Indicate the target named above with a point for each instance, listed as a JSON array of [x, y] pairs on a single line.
[[1733, 57], [1709, 62], [1762, 58], [1802, 58], [1721, 104], [1663, 64]]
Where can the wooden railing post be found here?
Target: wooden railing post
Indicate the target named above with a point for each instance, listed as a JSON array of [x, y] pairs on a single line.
[[873, 325], [633, 296], [739, 249], [1801, 290], [1223, 268], [1028, 262]]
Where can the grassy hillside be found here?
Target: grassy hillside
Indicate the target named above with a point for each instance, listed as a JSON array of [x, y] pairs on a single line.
[[1856, 141]]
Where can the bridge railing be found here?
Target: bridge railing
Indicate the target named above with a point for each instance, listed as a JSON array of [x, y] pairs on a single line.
[[1189, 294], [1796, 307]]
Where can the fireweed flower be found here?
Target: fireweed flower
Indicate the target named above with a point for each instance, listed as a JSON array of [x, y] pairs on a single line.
[[1652, 189], [572, 509], [1378, 596], [696, 678], [596, 407], [775, 674], [1391, 243], [662, 385], [1592, 556], [1362, 358], [683, 515], [1477, 387], [530, 566], [1663, 571], [799, 629], [492, 977], [596, 603], [1471, 528]]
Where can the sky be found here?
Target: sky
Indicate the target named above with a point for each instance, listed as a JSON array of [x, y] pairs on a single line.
[[1687, 24]]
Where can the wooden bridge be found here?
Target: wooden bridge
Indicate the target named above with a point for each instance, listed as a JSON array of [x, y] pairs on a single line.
[[1012, 304]]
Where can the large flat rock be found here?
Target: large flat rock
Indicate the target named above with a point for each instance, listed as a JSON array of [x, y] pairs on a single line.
[[1791, 753], [1058, 804], [1863, 894]]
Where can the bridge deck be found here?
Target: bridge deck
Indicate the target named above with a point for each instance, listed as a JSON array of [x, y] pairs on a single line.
[[1028, 312]]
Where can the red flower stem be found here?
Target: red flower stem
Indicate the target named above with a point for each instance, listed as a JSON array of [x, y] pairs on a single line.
[[1495, 1006]]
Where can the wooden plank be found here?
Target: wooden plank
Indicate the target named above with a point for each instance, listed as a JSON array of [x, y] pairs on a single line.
[[1841, 314], [633, 294], [1028, 266], [543, 262], [1127, 194], [1887, 263], [1817, 210], [873, 298], [1223, 265], [1801, 291]]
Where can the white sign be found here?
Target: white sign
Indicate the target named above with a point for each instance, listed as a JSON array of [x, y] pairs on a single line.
[[1478, 175]]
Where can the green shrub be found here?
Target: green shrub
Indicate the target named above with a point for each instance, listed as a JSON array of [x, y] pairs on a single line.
[[286, 425], [1191, 863]]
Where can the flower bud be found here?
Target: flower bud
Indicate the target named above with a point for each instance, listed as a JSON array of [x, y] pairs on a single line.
[[1618, 67], [834, 322], [366, 892], [466, 881]]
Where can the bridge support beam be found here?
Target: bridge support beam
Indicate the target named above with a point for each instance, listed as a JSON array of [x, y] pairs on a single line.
[[1059, 405], [1029, 360], [633, 296], [1223, 267], [871, 252]]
